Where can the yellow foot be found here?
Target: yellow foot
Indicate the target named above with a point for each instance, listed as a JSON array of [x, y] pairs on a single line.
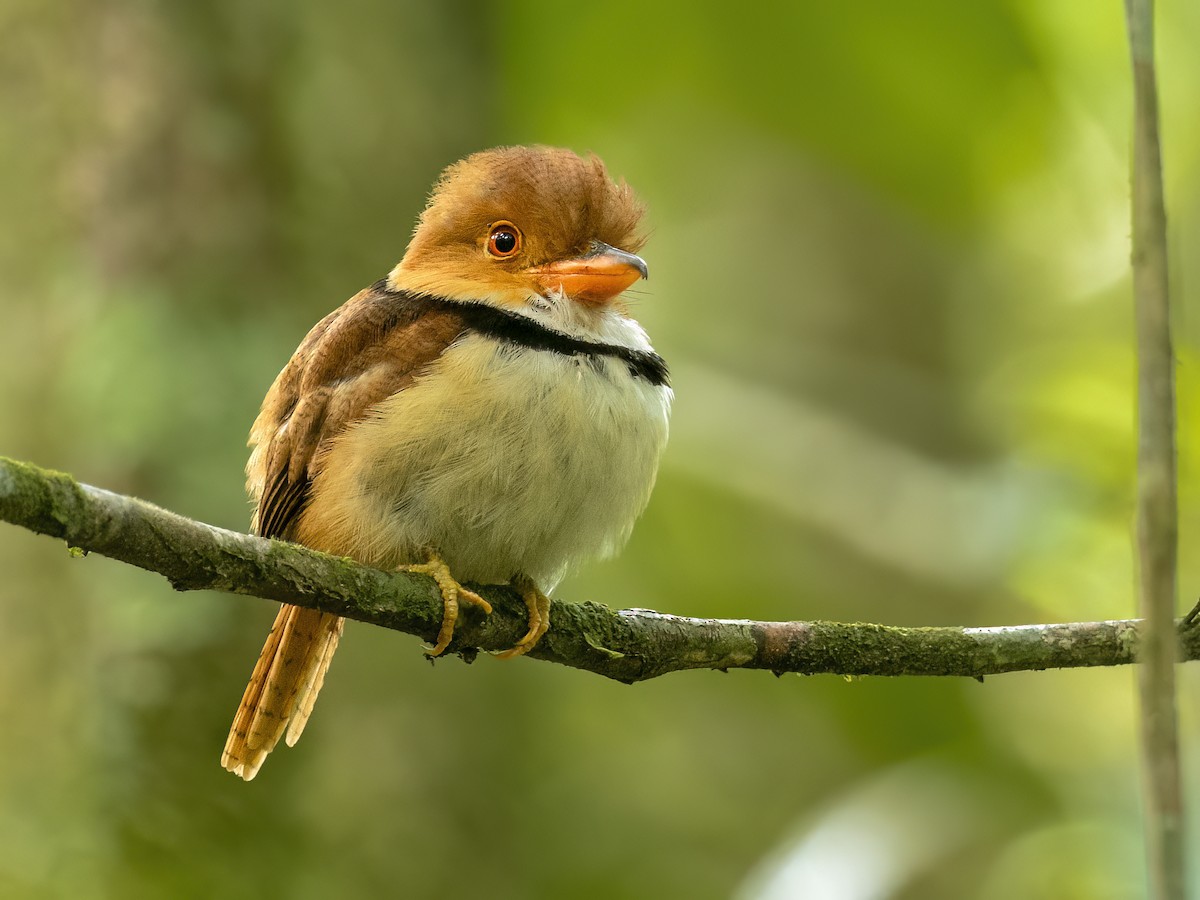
[[539, 616], [452, 593]]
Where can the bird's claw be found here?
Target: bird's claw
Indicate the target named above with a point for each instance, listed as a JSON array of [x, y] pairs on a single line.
[[452, 592], [538, 605]]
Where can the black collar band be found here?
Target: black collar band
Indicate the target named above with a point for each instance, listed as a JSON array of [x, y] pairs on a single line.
[[523, 331]]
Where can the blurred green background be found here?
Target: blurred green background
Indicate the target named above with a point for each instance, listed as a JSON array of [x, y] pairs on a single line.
[[889, 253]]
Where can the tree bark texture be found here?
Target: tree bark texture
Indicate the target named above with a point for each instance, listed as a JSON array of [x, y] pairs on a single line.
[[627, 645]]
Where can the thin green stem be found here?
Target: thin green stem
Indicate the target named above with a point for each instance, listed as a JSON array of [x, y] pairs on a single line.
[[1157, 504]]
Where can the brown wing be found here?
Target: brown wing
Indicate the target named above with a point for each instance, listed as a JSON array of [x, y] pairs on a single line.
[[355, 357], [363, 352]]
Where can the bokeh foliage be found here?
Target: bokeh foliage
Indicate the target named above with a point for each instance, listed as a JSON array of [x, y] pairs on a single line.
[[889, 256]]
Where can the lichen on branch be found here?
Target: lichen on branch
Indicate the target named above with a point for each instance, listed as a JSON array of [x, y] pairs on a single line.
[[627, 645]]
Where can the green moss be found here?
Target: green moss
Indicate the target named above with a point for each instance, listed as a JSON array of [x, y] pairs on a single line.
[[627, 645], [595, 644]]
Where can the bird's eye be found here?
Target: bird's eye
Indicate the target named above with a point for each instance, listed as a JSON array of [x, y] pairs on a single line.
[[504, 240]]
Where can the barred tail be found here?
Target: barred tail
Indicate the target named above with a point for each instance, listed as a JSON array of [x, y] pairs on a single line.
[[283, 687]]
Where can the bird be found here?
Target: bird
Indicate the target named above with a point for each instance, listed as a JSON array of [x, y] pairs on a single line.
[[488, 412]]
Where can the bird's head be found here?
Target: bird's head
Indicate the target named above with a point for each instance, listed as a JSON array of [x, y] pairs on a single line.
[[510, 225]]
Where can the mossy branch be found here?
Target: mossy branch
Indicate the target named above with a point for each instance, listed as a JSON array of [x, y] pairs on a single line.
[[627, 645]]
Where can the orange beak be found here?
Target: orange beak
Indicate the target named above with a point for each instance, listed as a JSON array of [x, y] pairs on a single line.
[[594, 278]]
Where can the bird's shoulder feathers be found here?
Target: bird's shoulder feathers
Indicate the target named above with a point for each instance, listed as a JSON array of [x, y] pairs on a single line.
[[363, 352]]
